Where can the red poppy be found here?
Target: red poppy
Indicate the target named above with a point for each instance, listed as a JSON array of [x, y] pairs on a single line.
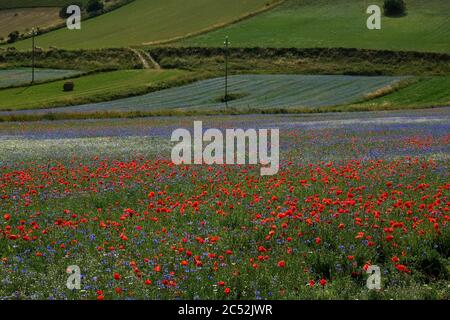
[[323, 282], [402, 268], [7, 217], [227, 290], [116, 276], [281, 264]]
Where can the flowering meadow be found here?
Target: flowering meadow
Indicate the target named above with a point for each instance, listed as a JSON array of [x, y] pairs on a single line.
[[353, 191]]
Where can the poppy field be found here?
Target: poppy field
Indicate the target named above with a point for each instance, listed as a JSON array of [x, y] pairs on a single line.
[[354, 190]]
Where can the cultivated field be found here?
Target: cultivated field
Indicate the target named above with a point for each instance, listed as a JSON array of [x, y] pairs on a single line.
[[23, 20], [354, 190], [22, 76], [338, 23], [87, 178], [94, 87], [152, 21], [250, 91], [433, 91]]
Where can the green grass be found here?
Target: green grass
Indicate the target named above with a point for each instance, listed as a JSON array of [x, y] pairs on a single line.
[[145, 21], [427, 92], [339, 23], [92, 88], [7, 4]]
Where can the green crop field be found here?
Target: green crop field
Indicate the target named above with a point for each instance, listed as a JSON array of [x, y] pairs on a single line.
[[339, 23], [250, 91], [144, 21], [6, 4], [427, 92], [22, 76], [96, 87]]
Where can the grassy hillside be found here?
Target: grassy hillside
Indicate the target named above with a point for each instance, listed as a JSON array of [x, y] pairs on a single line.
[[339, 23], [25, 19], [427, 92], [145, 21], [96, 87], [6, 4]]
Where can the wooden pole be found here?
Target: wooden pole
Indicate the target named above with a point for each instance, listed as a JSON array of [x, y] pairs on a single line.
[[227, 43], [32, 54]]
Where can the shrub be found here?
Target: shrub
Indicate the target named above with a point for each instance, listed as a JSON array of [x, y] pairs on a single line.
[[432, 265], [68, 86], [13, 36], [394, 8], [94, 6]]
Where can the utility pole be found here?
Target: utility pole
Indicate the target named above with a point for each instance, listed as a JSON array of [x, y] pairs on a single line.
[[33, 33], [227, 44]]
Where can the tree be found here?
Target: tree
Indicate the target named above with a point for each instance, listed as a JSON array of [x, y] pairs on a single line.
[[394, 8], [13, 36], [94, 6]]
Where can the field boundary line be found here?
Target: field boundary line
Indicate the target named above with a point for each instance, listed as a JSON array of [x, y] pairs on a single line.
[[216, 26], [51, 116]]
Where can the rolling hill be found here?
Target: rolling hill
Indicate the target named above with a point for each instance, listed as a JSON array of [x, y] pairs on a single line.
[[144, 21], [338, 23]]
